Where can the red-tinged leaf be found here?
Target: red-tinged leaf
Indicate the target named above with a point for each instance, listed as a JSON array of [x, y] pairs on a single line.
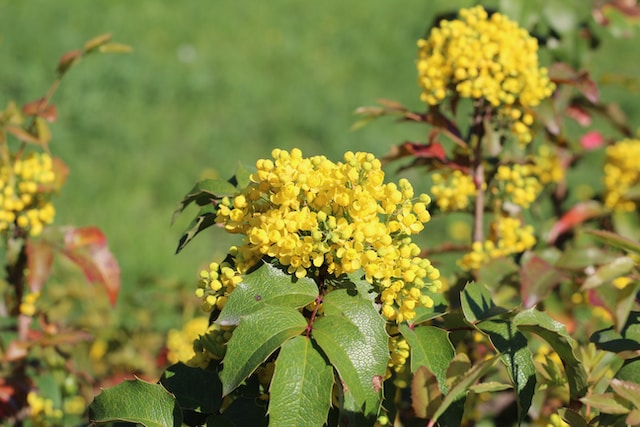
[[433, 150], [40, 108], [97, 42], [392, 105], [579, 114], [592, 140], [39, 261], [68, 60], [538, 279], [563, 74], [23, 135], [575, 216], [87, 247], [17, 350]]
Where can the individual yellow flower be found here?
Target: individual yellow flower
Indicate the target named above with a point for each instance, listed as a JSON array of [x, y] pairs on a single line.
[[484, 57], [621, 174], [320, 218]]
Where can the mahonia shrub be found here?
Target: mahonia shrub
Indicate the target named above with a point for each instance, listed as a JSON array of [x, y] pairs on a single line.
[[327, 313]]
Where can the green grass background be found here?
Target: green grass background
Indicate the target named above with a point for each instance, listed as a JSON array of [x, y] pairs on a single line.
[[210, 84]]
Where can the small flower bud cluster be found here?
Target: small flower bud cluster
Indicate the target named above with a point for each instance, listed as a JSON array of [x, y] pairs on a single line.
[[22, 202], [452, 190], [399, 352], [212, 345], [28, 304], [509, 236], [317, 217], [548, 167], [489, 57], [217, 283], [621, 174], [42, 410]]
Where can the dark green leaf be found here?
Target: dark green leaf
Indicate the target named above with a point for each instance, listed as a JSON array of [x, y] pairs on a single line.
[[630, 371], [245, 411], [555, 334], [477, 303], [257, 336], [516, 355], [204, 193], [573, 418], [352, 334], [430, 347], [195, 388], [266, 285], [628, 339], [300, 393], [136, 401], [205, 219]]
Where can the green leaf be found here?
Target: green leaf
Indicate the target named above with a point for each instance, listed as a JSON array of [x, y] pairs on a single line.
[[204, 193], [242, 177], [352, 334], [136, 401], [300, 393], [573, 418], [490, 387], [628, 390], [477, 303], [608, 403], [195, 388], [517, 356], [440, 306], [257, 336], [426, 396], [555, 334], [205, 219], [628, 339], [461, 384], [244, 411], [630, 371], [616, 240], [430, 347], [266, 285], [605, 273]]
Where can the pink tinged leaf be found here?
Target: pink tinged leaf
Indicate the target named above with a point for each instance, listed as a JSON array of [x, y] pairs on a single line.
[[39, 261], [562, 73], [592, 140], [40, 108], [575, 216], [68, 60], [87, 247], [579, 114], [538, 279]]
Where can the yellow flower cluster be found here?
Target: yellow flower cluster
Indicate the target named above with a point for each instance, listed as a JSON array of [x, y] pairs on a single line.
[[317, 217], [210, 345], [517, 184], [481, 56], [508, 236], [548, 167], [621, 174], [42, 411], [399, 352], [452, 190], [22, 202], [180, 342]]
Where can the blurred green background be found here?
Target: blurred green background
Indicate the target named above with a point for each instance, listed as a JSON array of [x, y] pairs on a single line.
[[213, 83]]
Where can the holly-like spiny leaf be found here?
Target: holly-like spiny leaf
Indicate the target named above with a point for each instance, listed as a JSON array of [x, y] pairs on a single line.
[[555, 334], [430, 347], [205, 219], [300, 392], [266, 285], [512, 344], [353, 336], [257, 336], [204, 193], [194, 388], [136, 401], [477, 303]]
